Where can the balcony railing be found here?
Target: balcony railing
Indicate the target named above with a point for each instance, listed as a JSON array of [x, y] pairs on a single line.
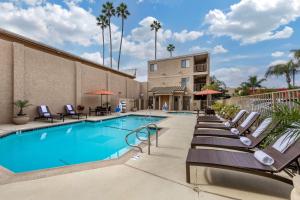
[[198, 86], [200, 68]]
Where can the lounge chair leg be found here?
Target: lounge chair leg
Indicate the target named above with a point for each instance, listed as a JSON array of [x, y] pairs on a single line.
[[188, 175]]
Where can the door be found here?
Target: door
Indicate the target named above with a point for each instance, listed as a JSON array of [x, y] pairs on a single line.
[[176, 103], [186, 103], [156, 103], [164, 99]]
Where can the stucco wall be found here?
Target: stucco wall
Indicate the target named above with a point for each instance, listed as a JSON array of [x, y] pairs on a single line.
[[44, 78], [49, 80], [6, 83]]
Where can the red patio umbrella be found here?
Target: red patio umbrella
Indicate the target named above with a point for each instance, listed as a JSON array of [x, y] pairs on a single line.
[[206, 93], [100, 93]]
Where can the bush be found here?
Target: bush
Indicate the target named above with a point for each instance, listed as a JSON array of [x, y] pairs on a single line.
[[285, 116], [225, 111]]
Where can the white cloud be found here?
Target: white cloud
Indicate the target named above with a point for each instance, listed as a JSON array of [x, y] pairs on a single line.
[[186, 35], [251, 21], [277, 54], [276, 62], [51, 23], [219, 49], [233, 76], [140, 42], [97, 58], [139, 1]]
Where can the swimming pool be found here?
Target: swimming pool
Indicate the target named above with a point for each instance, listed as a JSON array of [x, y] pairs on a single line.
[[69, 144]]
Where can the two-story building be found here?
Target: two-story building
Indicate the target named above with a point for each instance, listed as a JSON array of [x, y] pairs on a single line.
[[174, 81]]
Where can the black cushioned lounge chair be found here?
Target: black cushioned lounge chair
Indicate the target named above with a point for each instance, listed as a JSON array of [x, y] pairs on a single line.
[[242, 128], [246, 162], [233, 123], [44, 113], [70, 111]]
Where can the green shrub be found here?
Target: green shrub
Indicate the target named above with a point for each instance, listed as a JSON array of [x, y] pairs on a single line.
[[285, 116]]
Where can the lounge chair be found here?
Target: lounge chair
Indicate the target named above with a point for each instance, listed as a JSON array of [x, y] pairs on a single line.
[[70, 111], [227, 125], [233, 132], [44, 113], [210, 118], [280, 155], [246, 143]]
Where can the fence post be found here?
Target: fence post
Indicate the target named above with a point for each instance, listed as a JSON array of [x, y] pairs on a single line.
[[273, 100]]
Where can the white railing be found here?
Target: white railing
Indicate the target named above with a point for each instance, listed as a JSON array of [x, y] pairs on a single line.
[[265, 102]]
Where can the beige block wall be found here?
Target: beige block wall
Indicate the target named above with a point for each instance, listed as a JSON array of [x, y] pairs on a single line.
[[43, 78], [49, 80], [6, 81]]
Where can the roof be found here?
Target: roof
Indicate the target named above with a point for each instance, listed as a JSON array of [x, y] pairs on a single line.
[[167, 90], [181, 56], [13, 37]]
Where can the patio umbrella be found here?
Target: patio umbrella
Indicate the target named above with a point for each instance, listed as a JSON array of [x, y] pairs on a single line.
[[100, 93], [206, 93]]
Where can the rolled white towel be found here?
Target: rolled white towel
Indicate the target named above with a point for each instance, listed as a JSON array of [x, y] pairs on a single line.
[[227, 124], [263, 158], [235, 131], [246, 141]]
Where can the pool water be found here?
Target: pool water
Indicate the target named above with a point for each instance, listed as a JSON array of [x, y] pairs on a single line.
[[70, 144]]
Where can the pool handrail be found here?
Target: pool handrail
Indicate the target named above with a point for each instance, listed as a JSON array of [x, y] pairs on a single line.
[[136, 131]]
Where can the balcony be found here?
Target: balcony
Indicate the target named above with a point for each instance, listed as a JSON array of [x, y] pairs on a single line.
[[198, 86], [200, 68]]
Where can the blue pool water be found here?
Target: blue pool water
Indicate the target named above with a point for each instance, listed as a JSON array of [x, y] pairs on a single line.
[[69, 144]]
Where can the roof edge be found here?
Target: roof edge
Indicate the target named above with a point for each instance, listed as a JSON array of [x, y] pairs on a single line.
[[14, 37], [180, 56]]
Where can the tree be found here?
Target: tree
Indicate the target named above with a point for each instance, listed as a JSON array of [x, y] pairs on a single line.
[[170, 48], [109, 11], [297, 58], [155, 26], [103, 23], [284, 69], [122, 12], [253, 83]]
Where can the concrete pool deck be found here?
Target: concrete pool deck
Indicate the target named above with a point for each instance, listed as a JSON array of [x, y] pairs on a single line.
[[160, 175]]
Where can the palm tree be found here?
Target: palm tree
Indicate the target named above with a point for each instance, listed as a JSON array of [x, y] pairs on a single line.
[[123, 13], [170, 48], [103, 23], [286, 69], [297, 57], [155, 26], [253, 83], [108, 10]]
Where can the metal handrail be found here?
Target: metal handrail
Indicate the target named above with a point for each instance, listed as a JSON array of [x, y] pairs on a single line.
[[136, 131]]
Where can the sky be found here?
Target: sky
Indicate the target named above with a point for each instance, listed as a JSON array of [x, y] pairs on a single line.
[[243, 37]]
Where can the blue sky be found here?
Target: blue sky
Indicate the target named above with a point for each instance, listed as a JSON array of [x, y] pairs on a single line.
[[243, 36]]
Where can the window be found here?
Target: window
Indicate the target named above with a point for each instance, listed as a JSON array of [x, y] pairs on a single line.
[[185, 63], [153, 67], [184, 82]]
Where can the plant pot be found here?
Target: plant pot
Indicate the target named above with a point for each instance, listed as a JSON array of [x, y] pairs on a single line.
[[19, 120], [295, 194]]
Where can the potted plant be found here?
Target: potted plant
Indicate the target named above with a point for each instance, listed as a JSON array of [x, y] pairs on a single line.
[[21, 117]]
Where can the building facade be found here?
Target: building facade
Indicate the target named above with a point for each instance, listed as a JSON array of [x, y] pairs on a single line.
[[45, 75], [174, 81]]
